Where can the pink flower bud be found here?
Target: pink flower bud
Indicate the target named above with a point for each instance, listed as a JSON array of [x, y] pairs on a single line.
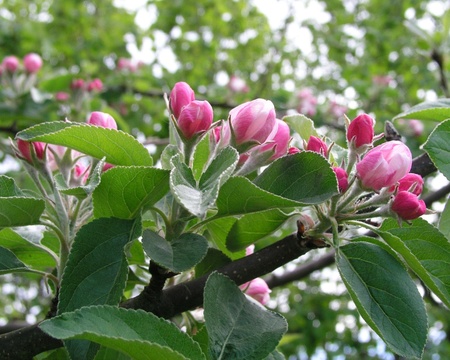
[[336, 109], [95, 85], [410, 182], [293, 150], [32, 63], [384, 165], [25, 149], [77, 84], [278, 140], [416, 127], [252, 121], [249, 250], [258, 290], [107, 166], [408, 206], [196, 117], [307, 102], [10, 63], [81, 172], [123, 63], [180, 96], [102, 119], [62, 96], [317, 145], [342, 178], [360, 131]]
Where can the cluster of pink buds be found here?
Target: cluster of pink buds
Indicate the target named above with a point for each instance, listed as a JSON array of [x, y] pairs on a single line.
[[193, 117], [89, 86], [128, 65], [32, 63]]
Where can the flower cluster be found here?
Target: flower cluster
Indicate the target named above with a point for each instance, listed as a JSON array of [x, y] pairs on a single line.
[[32, 63], [18, 77]]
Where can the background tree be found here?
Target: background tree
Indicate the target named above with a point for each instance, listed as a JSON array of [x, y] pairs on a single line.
[[363, 56]]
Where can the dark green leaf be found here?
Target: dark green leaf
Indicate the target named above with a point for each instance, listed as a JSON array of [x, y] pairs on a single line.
[[178, 255], [9, 262], [305, 177], [20, 211], [218, 231], [213, 260], [136, 333], [237, 328], [119, 148], [385, 295], [125, 191]]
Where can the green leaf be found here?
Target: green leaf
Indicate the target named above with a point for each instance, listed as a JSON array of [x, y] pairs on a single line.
[[444, 220], [437, 110], [9, 262], [20, 211], [385, 295], [218, 231], [30, 254], [275, 355], [238, 328], [302, 125], [438, 147], [167, 154], [213, 260], [96, 271], [200, 157], [8, 187], [255, 226], [198, 199], [118, 147], [125, 191], [240, 196], [82, 191], [425, 250], [306, 177], [136, 333], [220, 170], [178, 255]]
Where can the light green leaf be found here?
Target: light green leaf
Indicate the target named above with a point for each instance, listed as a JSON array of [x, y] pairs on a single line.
[[125, 191], [237, 328], [218, 231], [9, 262], [199, 198], [20, 211], [306, 177], [302, 125], [253, 227], [240, 196], [136, 333], [385, 295], [438, 147], [167, 154], [118, 147], [425, 250], [8, 187], [200, 157], [178, 255], [30, 254], [437, 110]]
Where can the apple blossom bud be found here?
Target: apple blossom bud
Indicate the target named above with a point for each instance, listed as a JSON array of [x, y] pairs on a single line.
[[317, 145], [32, 63], [107, 166], [25, 149], [360, 132], [342, 178], [416, 127], [102, 119], [410, 182], [293, 150], [10, 63], [62, 96], [95, 85], [307, 102], [258, 290], [237, 85], [384, 165], [77, 84], [180, 96], [252, 121], [81, 172], [337, 110], [278, 140], [249, 250], [408, 206], [196, 117]]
